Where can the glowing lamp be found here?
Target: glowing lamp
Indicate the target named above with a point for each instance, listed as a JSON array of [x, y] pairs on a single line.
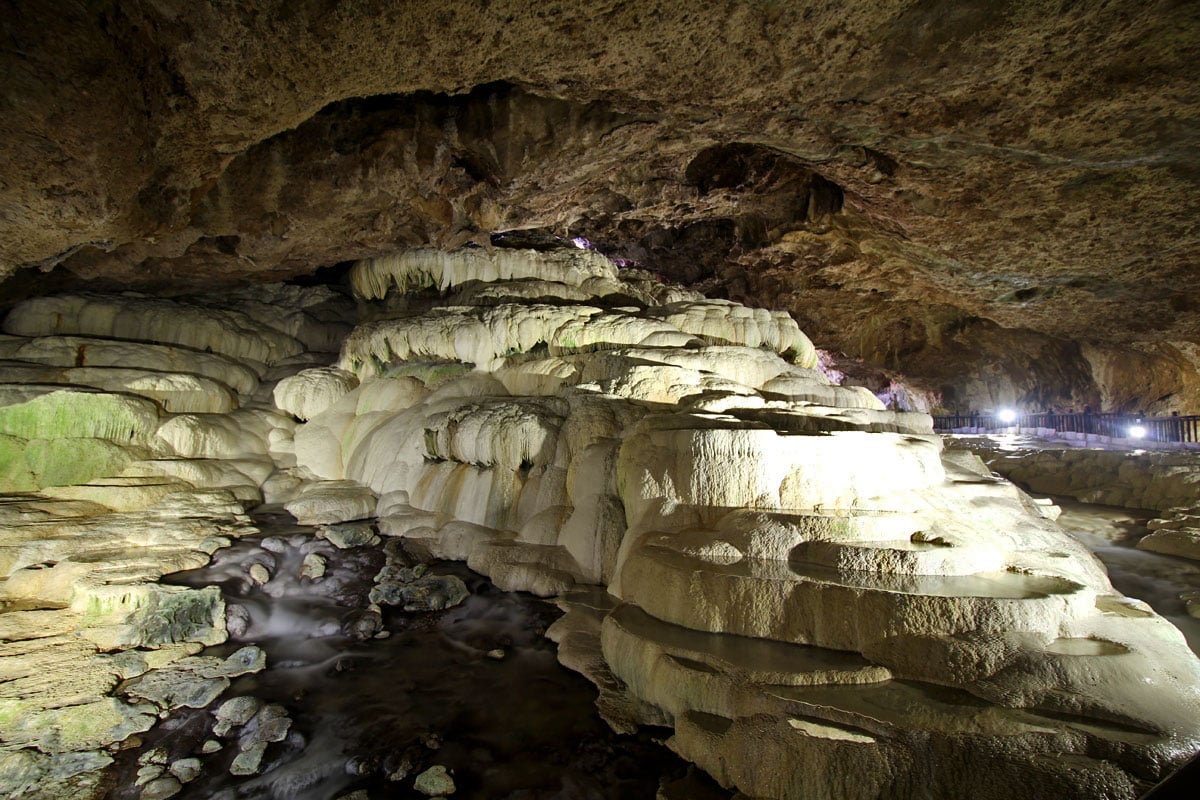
[[1007, 416], [1136, 431]]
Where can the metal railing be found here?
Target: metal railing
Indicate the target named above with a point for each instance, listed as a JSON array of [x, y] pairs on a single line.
[[1117, 426]]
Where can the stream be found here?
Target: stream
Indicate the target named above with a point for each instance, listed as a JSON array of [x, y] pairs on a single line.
[[475, 688]]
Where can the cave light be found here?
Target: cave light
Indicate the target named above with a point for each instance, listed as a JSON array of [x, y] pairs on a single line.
[[1007, 416], [1137, 431]]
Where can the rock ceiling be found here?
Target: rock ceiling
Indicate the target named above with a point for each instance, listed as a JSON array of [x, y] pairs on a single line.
[[921, 184]]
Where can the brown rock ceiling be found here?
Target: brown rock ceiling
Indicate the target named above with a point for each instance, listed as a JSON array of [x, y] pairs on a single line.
[[976, 193]]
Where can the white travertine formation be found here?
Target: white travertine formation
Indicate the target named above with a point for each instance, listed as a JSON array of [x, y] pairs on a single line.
[[783, 548], [327, 502], [308, 393], [725, 322], [316, 316], [173, 391], [81, 351], [416, 269], [817, 599], [142, 319]]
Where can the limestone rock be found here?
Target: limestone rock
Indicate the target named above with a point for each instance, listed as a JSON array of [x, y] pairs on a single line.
[[80, 351], [237, 711], [178, 688], [259, 574], [1184, 542], [247, 762]]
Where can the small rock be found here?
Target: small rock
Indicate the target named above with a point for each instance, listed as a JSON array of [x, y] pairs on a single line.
[[148, 773], [497, 654], [155, 756], [273, 544], [346, 535], [237, 620], [362, 625], [383, 634], [259, 574], [211, 746], [186, 769], [244, 661], [402, 769], [361, 765], [1192, 601], [313, 566], [358, 794], [432, 740], [426, 593], [161, 788], [434, 782], [238, 710], [271, 724], [249, 760]]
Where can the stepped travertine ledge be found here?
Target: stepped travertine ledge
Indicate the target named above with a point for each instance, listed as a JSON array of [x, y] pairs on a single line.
[[817, 599]]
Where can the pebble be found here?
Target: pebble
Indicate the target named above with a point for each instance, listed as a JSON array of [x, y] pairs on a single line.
[[248, 761], [313, 566], [186, 769], [210, 746], [497, 654], [434, 782], [259, 574], [237, 711], [161, 788], [156, 755], [148, 773]]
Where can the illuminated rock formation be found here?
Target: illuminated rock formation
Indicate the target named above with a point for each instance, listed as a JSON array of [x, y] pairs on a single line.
[[816, 598]]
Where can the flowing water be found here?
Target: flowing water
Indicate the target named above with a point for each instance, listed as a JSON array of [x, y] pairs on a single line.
[[475, 688], [1112, 534]]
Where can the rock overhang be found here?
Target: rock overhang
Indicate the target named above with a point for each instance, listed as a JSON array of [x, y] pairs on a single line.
[[924, 185]]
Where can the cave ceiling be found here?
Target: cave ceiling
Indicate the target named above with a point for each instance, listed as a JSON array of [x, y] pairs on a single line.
[[899, 175]]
